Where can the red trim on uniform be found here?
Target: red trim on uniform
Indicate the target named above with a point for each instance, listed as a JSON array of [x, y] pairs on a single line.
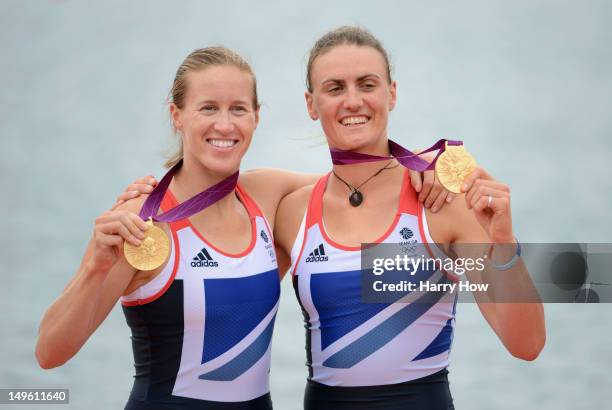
[[337, 245], [249, 207], [248, 202], [409, 203], [314, 212], [269, 229], [401, 205], [177, 251], [254, 210], [168, 203], [297, 261], [426, 242]]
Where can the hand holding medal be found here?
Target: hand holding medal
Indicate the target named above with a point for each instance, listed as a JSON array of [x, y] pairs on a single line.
[[152, 251], [112, 229], [490, 200], [155, 247]]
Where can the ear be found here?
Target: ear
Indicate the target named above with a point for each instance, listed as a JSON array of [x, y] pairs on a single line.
[[257, 116], [175, 115], [310, 106], [392, 95]]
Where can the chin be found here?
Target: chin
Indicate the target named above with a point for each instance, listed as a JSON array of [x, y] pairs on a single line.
[[355, 141], [226, 168], [220, 165]]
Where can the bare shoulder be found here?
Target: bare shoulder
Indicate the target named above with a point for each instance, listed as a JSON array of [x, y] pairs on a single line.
[[295, 202], [268, 186], [276, 182], [289, 217], [259, 176], [259, 182]]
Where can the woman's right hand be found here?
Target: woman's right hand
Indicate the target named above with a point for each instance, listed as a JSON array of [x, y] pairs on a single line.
[[141, 186], [100, 281], [111, 229]]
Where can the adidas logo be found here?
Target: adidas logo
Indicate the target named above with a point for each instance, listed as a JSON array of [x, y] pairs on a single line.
[[203, 259], [264, 236], [318, 255]]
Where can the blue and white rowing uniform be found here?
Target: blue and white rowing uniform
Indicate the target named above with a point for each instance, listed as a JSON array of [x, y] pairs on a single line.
[[202, 328], [370, 355]]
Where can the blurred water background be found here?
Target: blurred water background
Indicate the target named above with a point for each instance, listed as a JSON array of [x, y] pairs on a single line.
[[527, 84]]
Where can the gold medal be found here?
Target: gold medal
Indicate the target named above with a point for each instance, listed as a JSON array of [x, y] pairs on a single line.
[[152, 252], [453, 166]]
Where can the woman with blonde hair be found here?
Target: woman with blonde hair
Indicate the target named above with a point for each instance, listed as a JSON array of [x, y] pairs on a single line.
[[202, 321]]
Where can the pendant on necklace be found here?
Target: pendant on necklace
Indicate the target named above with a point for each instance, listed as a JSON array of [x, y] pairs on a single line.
[[356, 198]]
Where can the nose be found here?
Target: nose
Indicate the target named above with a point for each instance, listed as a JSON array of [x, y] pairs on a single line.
[[353, 100], [224, 124]]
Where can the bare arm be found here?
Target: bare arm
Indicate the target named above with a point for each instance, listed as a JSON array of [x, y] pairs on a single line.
[[519, 323], [274, 181], [93, 291], [289, 218], [280, 182]]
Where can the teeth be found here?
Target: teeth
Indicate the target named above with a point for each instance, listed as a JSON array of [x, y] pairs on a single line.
[[354, 120], [222, 143]]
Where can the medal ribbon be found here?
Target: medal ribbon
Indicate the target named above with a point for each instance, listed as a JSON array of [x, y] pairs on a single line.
[[404, 156], [191, 206]]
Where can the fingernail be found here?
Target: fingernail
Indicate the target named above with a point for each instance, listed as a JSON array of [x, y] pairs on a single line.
[[151, 181], [140, 235], [137, 242], [434, 209], [465, 187], [148, 188], [449, 199]]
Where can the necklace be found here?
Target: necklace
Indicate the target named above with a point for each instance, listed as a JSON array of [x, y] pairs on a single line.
[[356, 197]]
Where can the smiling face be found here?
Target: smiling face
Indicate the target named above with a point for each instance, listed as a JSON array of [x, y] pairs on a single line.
[[351, 96], [218, 117]]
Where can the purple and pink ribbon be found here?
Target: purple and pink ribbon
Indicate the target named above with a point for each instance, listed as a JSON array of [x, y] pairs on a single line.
[[191, 206], [404, 156]]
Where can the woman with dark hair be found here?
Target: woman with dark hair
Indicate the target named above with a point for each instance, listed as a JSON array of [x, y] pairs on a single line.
[[386, 355]]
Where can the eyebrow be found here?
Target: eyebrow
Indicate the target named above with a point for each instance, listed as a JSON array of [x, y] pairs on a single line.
[[363, 77], [217, 102]]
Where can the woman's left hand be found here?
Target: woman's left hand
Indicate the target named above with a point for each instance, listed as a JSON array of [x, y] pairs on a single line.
[[490, 200], [431, 192], [141, 186]]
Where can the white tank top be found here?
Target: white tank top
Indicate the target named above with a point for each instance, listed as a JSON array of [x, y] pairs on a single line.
[[202, 328], [351, 343]]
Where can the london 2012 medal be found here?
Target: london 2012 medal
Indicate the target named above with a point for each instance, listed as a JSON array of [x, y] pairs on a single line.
[[453, 166], [152, 252]]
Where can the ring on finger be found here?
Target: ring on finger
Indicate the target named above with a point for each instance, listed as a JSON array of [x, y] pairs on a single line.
[[490, 201]]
